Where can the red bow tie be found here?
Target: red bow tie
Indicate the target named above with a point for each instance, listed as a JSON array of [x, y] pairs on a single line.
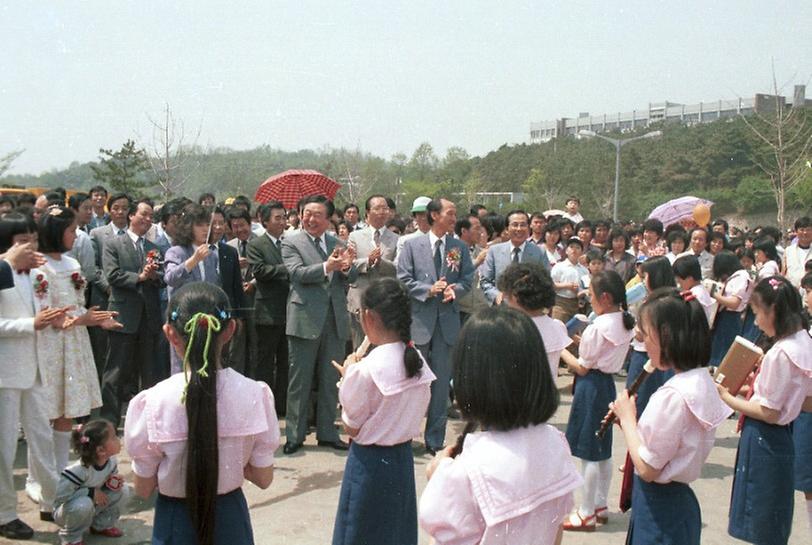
[[23, 271]]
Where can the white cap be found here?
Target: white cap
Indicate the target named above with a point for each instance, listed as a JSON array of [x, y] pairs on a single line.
[[420, 204]]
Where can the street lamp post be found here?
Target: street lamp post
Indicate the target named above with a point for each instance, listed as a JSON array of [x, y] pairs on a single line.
[[618, 143]]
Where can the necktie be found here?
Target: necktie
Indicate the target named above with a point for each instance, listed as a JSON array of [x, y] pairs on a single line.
[[139, 249], [279, 244], [319, 249], [438, 257], [242, 248], [121, 231], [516, 255], [377, 237]]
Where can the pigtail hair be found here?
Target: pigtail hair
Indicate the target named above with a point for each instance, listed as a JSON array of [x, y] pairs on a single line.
[[389, 299], [611, 283]]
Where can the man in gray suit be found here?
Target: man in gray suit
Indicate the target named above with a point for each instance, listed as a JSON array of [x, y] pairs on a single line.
[[436, 269], [376, 248], [317, 321], [515, 250], [99, 289], [134, 279], [272, 285]]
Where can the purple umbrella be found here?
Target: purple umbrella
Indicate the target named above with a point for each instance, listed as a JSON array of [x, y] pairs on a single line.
[[677, 210]]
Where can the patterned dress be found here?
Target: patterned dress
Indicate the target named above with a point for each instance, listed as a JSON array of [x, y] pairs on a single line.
[[70, 373]]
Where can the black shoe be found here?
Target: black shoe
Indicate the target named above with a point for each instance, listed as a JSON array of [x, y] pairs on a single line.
[[338, 444], [47, 516], [431, 451], [16, 529], [290, 448]]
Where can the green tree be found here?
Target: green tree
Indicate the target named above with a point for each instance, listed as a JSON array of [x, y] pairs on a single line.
[[124, 170]]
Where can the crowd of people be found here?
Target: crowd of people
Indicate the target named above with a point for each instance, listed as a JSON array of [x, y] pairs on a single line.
[[193, 314]]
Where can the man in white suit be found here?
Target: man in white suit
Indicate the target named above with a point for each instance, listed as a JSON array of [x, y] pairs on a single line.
[[515, 250], [22, 393], [376, 248]]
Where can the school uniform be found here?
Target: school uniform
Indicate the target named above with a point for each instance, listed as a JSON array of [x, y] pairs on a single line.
[[728, 322], [762, 500], [677, 432], [554, 335], [156, 433], [377, 503], [603, 349], [658, 377], [506, 487], [709, 304], [566, 300]]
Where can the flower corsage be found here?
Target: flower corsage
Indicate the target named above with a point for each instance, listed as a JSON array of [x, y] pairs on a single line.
[[453, 259], [78, 281], [40, 286]]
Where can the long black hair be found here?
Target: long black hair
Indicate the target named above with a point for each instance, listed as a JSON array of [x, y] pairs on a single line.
[[388, 298], [52, 226], [502, 380], [197, 312], [659, 272], [778, 293]]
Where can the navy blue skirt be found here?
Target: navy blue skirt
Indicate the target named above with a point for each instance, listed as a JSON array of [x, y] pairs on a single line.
[[663, 514], [650, 385], [750, 330], [232, 523], [727, 325], [802, 437], [762, 500], [378, 503], [593, 393]]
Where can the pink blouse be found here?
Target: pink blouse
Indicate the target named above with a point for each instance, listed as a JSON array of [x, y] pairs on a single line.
[[738, 285], [678, 426], [507, 487], [604, 343], [156, 431], [785, 379], [554, 334], [380, 401]]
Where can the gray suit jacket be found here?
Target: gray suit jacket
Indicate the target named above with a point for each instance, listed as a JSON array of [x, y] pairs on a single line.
[[499, 257], [364, 244], [99, 287], [134, 301], [311, 291], [416, 271]]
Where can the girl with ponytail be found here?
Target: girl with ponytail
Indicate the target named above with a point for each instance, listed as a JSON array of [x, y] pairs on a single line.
[[603, 349], [188, 437], [384, 397], [674, 435]]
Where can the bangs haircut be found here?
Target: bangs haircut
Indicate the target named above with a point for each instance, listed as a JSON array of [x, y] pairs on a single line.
[[529, 283], [725, 264], [501, 376], [659, 271], [687, 266], [681, 326], [52, 226], [12, 224], [784, 299]]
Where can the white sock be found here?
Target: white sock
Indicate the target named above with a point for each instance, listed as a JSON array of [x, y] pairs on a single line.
[[591, 483], [809, 513], [61, 449], [604, 481]]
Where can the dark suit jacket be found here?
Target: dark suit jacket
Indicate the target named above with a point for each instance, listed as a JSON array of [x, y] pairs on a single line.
[[6, 278], [134, 301], [271, 277], [231, 279]]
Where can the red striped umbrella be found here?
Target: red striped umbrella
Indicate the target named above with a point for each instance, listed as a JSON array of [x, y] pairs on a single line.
[[290, 186]]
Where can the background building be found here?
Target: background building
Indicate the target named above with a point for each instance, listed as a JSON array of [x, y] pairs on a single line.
[[669, 112]]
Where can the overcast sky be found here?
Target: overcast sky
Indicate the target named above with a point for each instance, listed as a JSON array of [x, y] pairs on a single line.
[[379, 76]]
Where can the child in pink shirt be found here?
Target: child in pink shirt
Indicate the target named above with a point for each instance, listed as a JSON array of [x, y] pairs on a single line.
[[677, 429], [528, 287], [762, 503], [384, 397], [188, 435], [513, 481]]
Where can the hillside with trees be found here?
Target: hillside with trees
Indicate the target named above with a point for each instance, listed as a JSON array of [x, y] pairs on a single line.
[[721, 161]]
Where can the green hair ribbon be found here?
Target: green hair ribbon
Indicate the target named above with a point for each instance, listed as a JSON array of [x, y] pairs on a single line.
[[199, 320]]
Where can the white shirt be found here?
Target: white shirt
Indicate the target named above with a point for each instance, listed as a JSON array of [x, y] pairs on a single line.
[[565, 272], [23, 283], [433, 241], [323, 246]]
